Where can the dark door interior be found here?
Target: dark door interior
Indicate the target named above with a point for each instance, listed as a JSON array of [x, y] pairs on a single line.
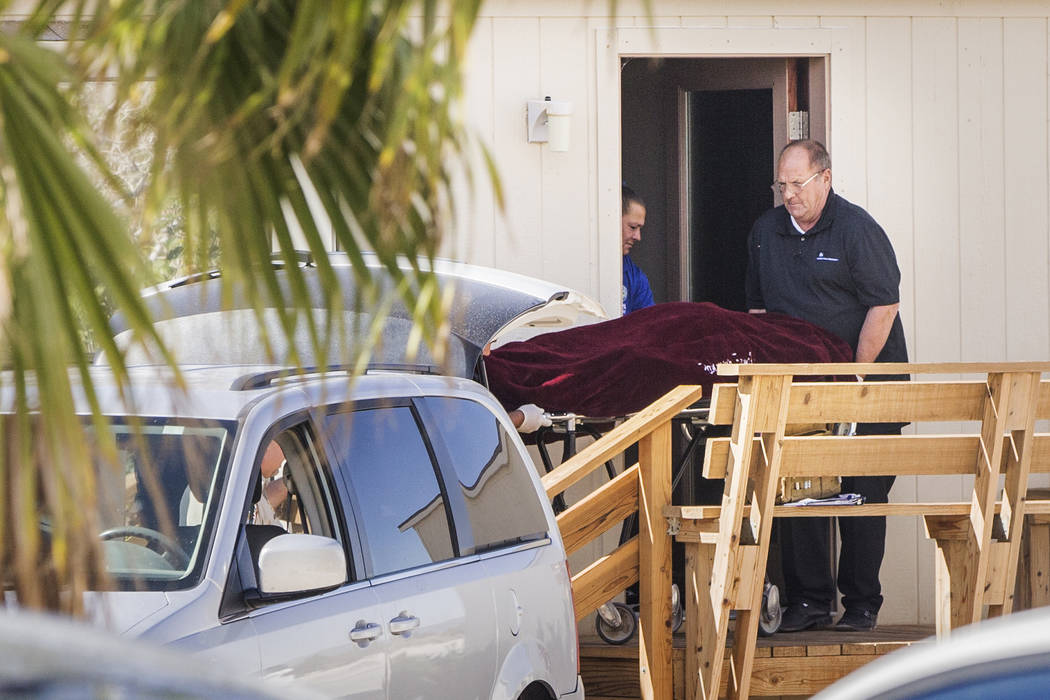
[[730, 160]]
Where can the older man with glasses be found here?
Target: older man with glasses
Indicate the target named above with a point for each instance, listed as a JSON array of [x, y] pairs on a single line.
[[822, 259]]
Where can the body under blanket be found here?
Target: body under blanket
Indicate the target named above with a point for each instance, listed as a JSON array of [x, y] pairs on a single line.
[[620, 366]]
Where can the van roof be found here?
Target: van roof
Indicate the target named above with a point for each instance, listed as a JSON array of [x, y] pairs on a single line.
[[202, 328], [224, 392]]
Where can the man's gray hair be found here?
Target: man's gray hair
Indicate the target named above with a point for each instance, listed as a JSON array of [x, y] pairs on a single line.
[[818, 155]]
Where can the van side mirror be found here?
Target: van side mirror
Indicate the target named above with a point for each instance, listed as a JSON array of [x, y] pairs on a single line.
[[297, 563]]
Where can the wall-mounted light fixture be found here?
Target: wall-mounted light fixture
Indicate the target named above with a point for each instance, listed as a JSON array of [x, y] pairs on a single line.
[[548, 121]]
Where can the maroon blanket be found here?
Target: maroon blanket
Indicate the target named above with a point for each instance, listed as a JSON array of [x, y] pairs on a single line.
[[620, 366]]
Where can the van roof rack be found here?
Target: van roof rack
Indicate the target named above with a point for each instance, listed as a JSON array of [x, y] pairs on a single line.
[[261, 380], [303, 258]]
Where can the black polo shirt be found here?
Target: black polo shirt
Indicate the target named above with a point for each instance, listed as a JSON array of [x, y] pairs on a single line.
[[830, 275]]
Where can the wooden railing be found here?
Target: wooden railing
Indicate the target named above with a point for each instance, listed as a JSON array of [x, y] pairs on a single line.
[[977, 540], [644, 487]]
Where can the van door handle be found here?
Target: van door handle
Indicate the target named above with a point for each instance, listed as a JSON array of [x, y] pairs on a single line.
[[365, 632], [403, 623]]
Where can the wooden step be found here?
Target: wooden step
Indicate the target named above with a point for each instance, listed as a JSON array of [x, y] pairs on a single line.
[[786, 664]]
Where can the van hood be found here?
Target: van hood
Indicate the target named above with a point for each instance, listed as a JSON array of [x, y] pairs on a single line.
[[202, 328], [120, 611]]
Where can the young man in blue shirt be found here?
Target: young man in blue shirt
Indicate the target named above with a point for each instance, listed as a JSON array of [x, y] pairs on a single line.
[[636, 293]]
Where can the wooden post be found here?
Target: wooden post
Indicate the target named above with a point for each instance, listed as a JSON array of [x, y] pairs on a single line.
[[654, 585], [955, 567], [718, 600], [752, 572], [737, 569], [698, 561], [970, 606], [1037, 552], [1016, 467]]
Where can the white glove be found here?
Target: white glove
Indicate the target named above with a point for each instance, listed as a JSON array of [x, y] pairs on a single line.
[[533, 418]]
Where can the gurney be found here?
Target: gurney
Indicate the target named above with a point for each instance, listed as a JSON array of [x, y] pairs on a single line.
[[590, 377]]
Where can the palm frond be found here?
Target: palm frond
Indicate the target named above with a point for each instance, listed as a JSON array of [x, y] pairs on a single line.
[[255, 110], [64, 245]]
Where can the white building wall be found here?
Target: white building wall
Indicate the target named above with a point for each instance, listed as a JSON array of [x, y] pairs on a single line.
[[938, 126]]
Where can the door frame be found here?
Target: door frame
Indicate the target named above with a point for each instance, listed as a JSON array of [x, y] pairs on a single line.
[[846, 125]]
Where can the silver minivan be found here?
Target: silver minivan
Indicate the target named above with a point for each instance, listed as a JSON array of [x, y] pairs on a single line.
[[385, 537]]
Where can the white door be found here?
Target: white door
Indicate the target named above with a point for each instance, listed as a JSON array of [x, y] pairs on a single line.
[[334, 641]]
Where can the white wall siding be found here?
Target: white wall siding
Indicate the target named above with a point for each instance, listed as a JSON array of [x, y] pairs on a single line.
[[935, 176], [566, 176], [982, 182], [475, 236], [516, 66], [890, 176], [1025, 211]]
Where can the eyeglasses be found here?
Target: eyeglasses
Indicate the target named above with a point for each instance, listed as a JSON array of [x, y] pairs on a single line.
[[782, 187]]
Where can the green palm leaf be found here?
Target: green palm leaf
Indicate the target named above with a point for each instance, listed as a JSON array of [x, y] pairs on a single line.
[[254, 109]]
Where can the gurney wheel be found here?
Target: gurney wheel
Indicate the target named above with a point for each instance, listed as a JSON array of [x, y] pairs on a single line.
[[613, 630], [772, 612]]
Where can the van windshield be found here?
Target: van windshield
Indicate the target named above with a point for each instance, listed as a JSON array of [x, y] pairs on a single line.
[[158, 501]]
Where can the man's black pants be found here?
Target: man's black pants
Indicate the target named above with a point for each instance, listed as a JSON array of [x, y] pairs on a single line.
[[805, 550]]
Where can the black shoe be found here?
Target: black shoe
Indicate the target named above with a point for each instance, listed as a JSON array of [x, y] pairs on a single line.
[[857, 621], [804, 616]]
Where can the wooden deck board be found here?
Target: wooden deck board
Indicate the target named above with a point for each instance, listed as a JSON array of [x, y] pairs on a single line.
[[796, 664]]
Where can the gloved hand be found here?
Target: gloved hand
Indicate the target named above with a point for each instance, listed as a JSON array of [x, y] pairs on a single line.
[[534, 418]]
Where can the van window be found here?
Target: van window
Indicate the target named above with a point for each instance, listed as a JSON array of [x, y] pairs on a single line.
[[493, 476], [399, 506], [158, 498], [289, 490]]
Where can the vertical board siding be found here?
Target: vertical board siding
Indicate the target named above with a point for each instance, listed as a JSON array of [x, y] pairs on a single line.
[[982, 187], [473, 238], [935, 164], [890, 147], [516, 65], [1025, 107], [565, 216]]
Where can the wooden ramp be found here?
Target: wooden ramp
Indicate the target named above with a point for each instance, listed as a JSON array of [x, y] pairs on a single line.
[[786, 665], [978, 539]]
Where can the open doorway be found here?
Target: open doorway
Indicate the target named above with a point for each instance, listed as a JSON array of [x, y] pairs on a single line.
[[728, 162], [699, 143]]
